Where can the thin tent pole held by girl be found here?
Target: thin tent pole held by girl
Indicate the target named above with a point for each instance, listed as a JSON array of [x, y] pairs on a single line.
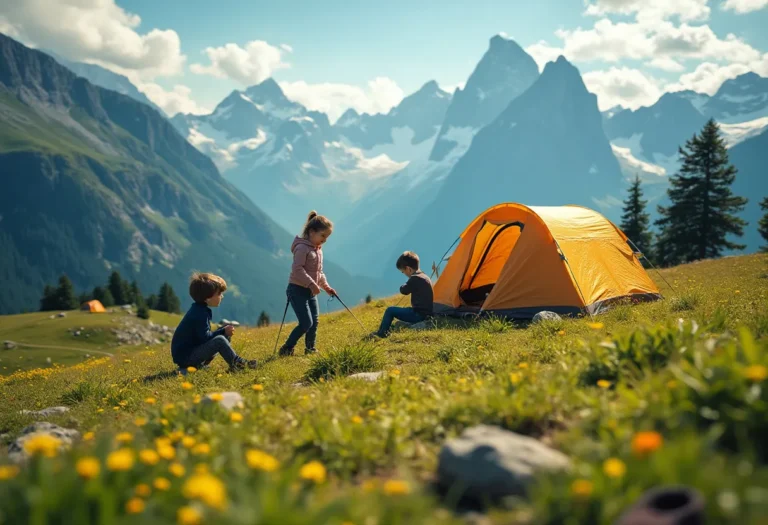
[[348, 310], [287, 302]]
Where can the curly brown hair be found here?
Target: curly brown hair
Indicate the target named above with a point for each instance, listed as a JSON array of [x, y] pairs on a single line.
[[408, 260]]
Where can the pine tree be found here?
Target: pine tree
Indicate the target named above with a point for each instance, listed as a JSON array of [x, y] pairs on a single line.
[[701, 216], [135, 294], [84, 298], [143, 310], [48, 300], [152, 302], [65, 294], [762, 226], [635, 220], [368, 299], [167, 300], [119, 289], [104, 296], [264, 319]]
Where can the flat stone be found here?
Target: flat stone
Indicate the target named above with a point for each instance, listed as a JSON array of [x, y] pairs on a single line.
[[367, 376], [487, 463], [546, 316], [65, 435], [50, 411], [229, 400]]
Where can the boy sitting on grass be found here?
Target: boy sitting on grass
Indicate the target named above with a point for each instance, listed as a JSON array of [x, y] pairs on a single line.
[[419, 286], [193, 342]]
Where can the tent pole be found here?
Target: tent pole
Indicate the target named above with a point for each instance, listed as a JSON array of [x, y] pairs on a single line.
[[564, 258], [637, 250]]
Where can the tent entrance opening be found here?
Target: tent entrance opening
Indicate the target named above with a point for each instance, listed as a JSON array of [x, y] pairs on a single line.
[[490, 251]]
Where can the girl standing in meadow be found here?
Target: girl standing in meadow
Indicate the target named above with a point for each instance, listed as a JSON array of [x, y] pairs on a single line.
[[306, 280]]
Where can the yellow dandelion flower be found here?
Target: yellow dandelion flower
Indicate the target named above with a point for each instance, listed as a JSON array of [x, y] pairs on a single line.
[[644, 443], [150, 400], [196, 399], [189, 516], [737, 292], [257, 388], [186, 385], [42, 445], [596, 325], [167, 453], [176, 436], [177, 469], [188, 442], [161, 484], [236, 417], [134, 380], [561, 333], [515, 378], [88, 467], [313, 471], [357, 420], [393, 487], [89, 436], [134, 506], [8, 472], [462, 380], [219, 375], [126, 360], [120, 460], [162, 441], [216, 396], [371, 413], [164, 422], [99, 410], [206, 488], [149, 457], [115, 408], [395, 372], [756, 373], [603, 383], [124, 437], [522, 365], [191, 369], [258, 460], [140, 421], [142, 490], [614, 468], [582, 488], [168, 407], [201, 449], [123, 403]]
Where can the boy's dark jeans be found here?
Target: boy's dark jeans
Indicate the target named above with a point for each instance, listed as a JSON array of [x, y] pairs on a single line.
[[204, 354], [305, 306], [408, 315]]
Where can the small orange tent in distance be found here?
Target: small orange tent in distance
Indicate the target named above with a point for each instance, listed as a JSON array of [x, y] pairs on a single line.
[[95, 307], [515, 261]]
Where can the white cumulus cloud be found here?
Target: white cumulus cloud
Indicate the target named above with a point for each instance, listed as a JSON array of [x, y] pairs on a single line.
[[542, 53], [623, 86], [248, 65], [744, 6], [177, 100], [666, 64], [651, 10], [379, 96], [98, 31], [708, 77]]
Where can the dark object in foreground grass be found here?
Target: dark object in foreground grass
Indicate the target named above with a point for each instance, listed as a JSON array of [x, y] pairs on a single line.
[[675, 505], [362, 357]]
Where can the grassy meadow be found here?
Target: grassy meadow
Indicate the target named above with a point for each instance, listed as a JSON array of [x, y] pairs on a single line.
[[671, 392]]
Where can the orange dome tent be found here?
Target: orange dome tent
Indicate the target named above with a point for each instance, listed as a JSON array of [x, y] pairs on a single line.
[[95, 307], [514, 261]]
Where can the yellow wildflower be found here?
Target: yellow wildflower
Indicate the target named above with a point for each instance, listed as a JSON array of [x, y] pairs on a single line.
[[201, 449], [258, 460], [369, 485], [134, 506], [236, 417], [123, 403], [756, 373], [124, 437], [189, 516], [603, 383], [140, 421], [462, 380], [167, 452], [522, 365], [161, 484], [394, 487], [168, 407], [644, 443], [371, 413], [88, 467], [120, 460], [188, 442], [202, 468], [515, 378], [149, 457], [143, 490], [581, 488], [257, 388], [186, 385], [177, 469], [126, 360], [207, 488], [216, 396], [99, 410], [163, 441], [313, 471], [175, 436], [164, 422], [191, 369], [357, 420], [561, 333], [596, 325], [614, 468], [150, 400], [8, 472], [42, 445], [88, 436], [196, 399]]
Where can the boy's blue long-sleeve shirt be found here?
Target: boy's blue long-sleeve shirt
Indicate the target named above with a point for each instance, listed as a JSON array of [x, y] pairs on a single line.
[[193, 330]]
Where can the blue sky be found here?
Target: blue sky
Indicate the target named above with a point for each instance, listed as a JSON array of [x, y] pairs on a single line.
[[369, 56]]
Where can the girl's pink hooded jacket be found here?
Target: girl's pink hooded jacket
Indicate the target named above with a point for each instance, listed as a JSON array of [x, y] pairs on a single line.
[[307, 268]]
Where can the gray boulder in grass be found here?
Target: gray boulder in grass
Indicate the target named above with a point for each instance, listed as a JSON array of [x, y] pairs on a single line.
[[487, 463], [546, 316], [229, 400]]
